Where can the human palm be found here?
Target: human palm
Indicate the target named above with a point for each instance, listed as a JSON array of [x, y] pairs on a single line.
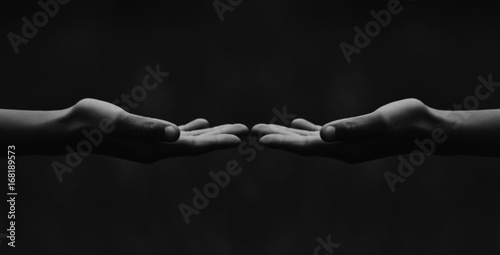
[[147, 140], [388, 130]]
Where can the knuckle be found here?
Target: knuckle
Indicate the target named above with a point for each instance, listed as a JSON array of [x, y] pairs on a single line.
[[151, 131], [348, 130], [351, 128]]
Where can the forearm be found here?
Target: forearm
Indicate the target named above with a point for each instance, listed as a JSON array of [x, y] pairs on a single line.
[[41, 132], [470, 132]]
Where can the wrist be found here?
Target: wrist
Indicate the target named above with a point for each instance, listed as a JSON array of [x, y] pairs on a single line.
[[67, 124], [446, 120], [42, 132], [444, 131]]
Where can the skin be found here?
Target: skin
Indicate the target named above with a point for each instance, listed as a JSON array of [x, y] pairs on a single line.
[[390, 130], [133, 137]]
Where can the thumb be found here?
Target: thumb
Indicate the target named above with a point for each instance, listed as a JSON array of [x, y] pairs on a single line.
[[148, 129], [368, 126]]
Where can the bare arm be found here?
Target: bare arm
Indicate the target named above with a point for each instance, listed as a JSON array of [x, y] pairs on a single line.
[[396, 128], [32, 126], [113, 132], [471, 132]]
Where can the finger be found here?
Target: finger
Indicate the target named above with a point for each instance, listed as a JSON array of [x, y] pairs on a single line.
[[195, 124], [234, 129], [305, 124], [292, 130], [195, 145], [201, 131], [265, 129], [145, 128], [368, 126], [305, 145], [212, 130]]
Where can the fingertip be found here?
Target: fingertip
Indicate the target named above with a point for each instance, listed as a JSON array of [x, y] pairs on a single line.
[[241, 127], [270, 139], [238, 129], [265, 140], [202, 122], [172, 133], [296, 121], [257, 128], [327, 133], [234, 140]]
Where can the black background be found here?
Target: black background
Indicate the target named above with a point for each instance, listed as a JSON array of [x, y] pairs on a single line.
[[264, 55]]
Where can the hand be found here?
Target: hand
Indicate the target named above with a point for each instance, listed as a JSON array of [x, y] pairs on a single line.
[[144, 139], [389, 130]]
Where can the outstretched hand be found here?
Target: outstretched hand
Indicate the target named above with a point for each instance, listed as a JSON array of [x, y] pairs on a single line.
[[387, 131], [147, 140]]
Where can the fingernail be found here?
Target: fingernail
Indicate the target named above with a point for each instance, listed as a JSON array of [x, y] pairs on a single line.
[[171, 133]]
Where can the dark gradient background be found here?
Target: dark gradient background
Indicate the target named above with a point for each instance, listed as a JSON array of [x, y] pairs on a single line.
[[266, 54]]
